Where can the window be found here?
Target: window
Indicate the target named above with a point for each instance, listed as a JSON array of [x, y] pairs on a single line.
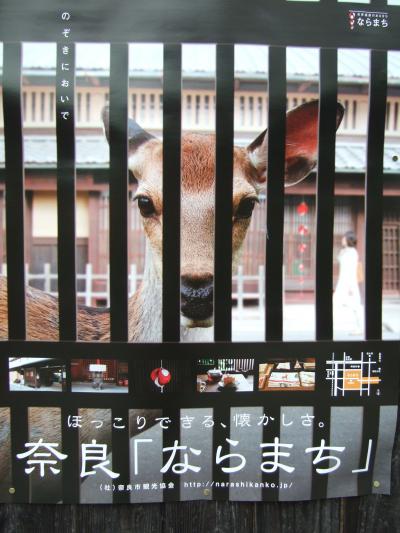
[[44, 250], [206, 106], [152, 102], [241, 100], [387, 125], [251, 110], [24, 104], [33, 107], [51, 106], [346, 114], [133, 103], [189, 108], [142, 107], [259, 110], [79, 106], [42, 106], [197, 118], [88, 107], [354, 122]]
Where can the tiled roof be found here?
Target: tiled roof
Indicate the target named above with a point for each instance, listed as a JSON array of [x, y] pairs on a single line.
[[200, 60], [92, 152]]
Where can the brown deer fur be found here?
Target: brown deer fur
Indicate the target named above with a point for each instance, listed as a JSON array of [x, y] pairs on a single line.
[[197, 222]]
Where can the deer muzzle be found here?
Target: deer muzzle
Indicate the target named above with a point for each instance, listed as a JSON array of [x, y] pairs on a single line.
[[197, 300]]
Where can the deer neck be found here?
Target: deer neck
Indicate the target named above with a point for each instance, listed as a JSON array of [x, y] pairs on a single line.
[[145, 310]]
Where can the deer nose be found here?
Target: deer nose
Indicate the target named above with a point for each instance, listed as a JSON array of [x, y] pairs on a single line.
[[197, 296]]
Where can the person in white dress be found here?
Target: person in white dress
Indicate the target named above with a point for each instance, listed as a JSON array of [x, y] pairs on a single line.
[[347, 292]]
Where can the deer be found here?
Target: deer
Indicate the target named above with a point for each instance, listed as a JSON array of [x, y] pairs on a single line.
[[197, 223]]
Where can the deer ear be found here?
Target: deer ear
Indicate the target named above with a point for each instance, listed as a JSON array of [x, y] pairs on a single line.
[[136, 135], [302, 140], [301, 143]]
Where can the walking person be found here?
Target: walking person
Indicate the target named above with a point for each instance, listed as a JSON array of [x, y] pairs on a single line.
[[347, 292]]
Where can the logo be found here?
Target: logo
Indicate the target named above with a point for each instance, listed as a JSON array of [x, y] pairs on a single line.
[[368, 19]]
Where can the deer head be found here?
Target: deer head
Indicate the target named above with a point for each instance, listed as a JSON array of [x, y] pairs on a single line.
[[197, 197]]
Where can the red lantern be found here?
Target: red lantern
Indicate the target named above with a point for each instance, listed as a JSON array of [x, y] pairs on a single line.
[[302, 247], [154, 374], [302, 229], [302, 209], [301, 267], [160, 376], [164, 376]]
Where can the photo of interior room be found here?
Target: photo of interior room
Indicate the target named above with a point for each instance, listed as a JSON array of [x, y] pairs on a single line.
[[221, 375]]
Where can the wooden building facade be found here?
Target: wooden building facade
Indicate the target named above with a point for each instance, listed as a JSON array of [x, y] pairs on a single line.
[[198, 114]]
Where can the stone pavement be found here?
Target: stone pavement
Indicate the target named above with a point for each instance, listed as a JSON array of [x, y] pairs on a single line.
[[107, 387], [298, 324], [56, 387]]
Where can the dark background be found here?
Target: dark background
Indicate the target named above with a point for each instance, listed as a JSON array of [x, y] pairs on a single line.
[[370, 514], [255, 21]]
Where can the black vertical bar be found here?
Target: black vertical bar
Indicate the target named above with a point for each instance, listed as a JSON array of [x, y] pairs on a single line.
[[67, 383], [270, 432], [118, 138], [373, 195], [66, 184], [65, 128], [171, 301], [225, 73], [170, 436], [370, 430], [221, 432], [70, 447], [275, 192], [19, 436], [120, 452], [321, 431], [4, 380], [14, 181], [325, 193]]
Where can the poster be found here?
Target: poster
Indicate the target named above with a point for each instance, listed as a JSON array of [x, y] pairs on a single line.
[[94, 406]]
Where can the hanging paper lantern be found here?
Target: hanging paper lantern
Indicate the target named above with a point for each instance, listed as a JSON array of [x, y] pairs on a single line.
[[302, 229], [160, 377], [154, 374], [301, 267], [302, 247], [164, 376], [302, 209]]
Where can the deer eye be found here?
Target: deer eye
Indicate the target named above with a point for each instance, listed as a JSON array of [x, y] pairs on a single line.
[[245, 208], [146, 206]]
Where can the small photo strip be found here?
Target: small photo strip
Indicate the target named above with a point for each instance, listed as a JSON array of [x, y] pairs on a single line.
[[99, 375], [223, 375], [287, 374], [41, 374]]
